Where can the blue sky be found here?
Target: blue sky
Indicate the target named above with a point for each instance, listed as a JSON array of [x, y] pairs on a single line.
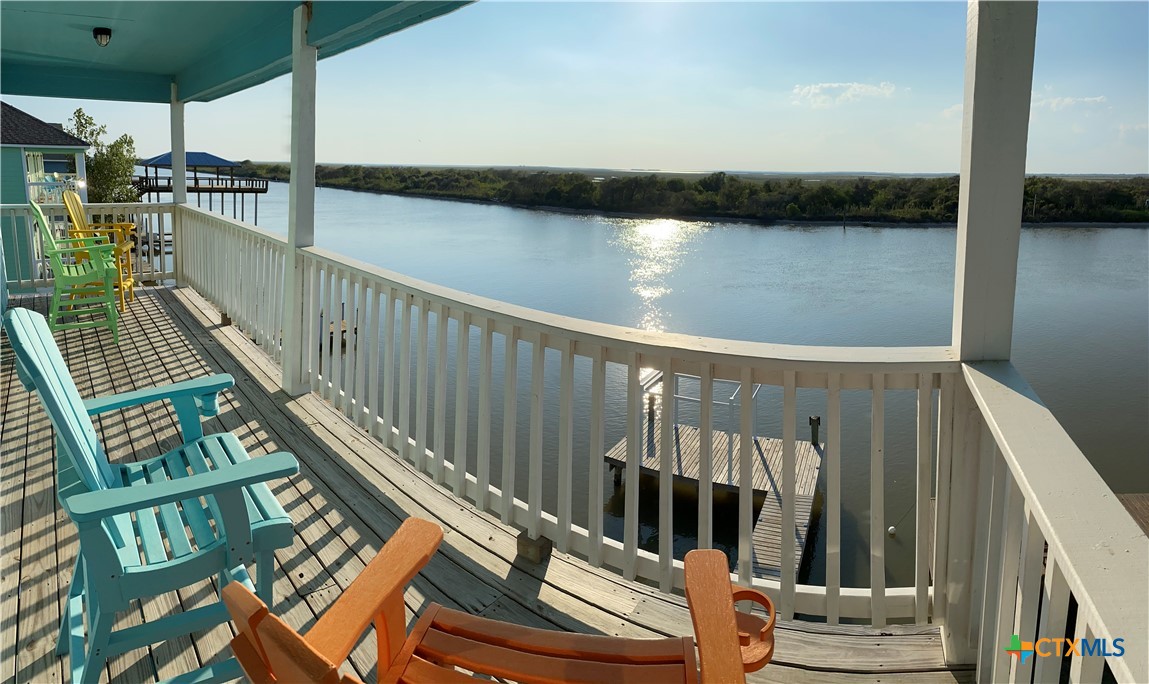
[[814, 86]]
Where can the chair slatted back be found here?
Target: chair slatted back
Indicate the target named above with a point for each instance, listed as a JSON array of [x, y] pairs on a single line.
[[75, 209], [46, 237], [42, 368]]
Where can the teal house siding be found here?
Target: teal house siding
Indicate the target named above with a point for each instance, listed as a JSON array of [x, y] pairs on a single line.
[[17, 251]]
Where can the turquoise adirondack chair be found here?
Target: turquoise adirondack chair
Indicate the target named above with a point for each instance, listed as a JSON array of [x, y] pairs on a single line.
[[154, 526], [84, 278]]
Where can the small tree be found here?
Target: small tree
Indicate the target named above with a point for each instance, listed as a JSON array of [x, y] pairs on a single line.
[[109, 166]]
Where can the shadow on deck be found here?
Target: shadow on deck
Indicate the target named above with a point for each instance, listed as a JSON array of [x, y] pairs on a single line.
[[350, 495]]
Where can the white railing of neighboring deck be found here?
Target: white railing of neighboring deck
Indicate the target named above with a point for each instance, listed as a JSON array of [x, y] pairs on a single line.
[[28, 268]]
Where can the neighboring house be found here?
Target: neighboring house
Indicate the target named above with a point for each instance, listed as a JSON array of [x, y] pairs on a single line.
[[38, 161]]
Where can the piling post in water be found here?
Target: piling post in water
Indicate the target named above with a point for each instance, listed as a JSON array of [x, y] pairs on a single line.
[[815, 423]]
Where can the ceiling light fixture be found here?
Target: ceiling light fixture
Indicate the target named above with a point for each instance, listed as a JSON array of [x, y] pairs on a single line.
[[103, 35]]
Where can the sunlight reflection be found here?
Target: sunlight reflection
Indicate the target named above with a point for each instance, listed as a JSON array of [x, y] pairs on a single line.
[[655, 250]]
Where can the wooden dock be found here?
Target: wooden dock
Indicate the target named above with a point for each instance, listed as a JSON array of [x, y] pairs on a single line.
[[767, 481], [1138, 507]]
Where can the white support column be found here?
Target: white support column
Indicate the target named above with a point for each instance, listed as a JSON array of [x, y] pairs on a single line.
[[995, 126], [82, 174], [301, 197], [179, 179], [179, 150], [1000, 40]]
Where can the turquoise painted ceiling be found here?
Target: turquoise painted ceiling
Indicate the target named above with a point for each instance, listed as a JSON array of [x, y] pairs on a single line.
[[209, 49]]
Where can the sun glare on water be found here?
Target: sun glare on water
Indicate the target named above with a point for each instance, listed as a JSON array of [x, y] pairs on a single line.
[[655, 249]]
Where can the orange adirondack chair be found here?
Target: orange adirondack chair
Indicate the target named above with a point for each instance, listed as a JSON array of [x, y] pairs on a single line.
[[119, 234], [444, 639]]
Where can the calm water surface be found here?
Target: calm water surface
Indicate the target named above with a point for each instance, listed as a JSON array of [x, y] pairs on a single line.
[[1081, 334]]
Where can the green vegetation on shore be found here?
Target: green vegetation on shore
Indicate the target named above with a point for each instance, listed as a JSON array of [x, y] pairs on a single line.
[[722, 195]]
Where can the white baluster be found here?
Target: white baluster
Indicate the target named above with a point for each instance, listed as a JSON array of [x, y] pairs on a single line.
[[566, 444], [510, 422], [421, 399], [833, 497], [877, 502], [922, 500], [483, 453], [597, 453], [789, 485]]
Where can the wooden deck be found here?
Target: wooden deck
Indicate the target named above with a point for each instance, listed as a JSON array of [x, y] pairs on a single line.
[[350, 495], [1138, 507], [767, 479]]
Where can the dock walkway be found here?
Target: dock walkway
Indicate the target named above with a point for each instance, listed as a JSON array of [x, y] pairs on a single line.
[[767, 479], [350, 495]]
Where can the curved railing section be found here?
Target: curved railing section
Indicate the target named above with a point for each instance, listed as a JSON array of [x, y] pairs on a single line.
[[402, 361], [1027, 538], [443, 377]]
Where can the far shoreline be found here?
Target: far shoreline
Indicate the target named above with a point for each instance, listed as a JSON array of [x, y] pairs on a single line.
[[848, 223]]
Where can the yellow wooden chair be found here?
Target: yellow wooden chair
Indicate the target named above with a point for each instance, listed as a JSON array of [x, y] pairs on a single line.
[[122, 235]]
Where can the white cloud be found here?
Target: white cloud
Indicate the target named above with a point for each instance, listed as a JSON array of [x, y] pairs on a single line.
[[823, 95], [1056, 103], [952, 112], [1126, 129]]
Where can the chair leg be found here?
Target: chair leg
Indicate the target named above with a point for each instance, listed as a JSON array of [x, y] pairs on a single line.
[[63, 638], [54, 310], [96, 654], [265, 578]]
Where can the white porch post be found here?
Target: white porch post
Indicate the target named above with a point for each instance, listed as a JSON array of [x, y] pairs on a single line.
[[995, 125], [82, 174], [179, 150], [179, 180], [301, 203]]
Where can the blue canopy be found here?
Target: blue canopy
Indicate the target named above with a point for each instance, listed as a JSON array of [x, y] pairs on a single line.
[[194, 159]]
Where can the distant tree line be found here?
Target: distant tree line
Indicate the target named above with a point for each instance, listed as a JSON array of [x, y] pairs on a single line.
[[722, 195]]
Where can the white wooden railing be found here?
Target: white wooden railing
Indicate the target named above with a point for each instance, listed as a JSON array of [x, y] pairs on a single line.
[[28, 267], [428, 370], [413, 338], [239, 268], [1029, 527], [400, 373]]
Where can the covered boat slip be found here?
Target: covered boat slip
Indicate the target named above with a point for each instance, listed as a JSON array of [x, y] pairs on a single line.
[[350, 495]]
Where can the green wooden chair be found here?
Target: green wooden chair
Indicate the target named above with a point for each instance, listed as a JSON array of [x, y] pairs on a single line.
[[84, 276], [154, 526]]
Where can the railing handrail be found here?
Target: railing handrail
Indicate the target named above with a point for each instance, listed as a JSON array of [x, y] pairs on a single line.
[[760, 355], [237, 224], [1102, 552]]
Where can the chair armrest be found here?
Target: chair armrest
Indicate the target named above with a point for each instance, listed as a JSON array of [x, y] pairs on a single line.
[[205, 390], [192, 399], [711, 601], [96, 248], [103, 503], [128, 226], [80, 237], [384, 578]]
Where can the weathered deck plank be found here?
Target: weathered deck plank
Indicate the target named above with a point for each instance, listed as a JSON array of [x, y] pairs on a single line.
[[174, 335]]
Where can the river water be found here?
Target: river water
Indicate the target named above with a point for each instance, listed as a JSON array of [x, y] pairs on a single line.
[[1081, 334]]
